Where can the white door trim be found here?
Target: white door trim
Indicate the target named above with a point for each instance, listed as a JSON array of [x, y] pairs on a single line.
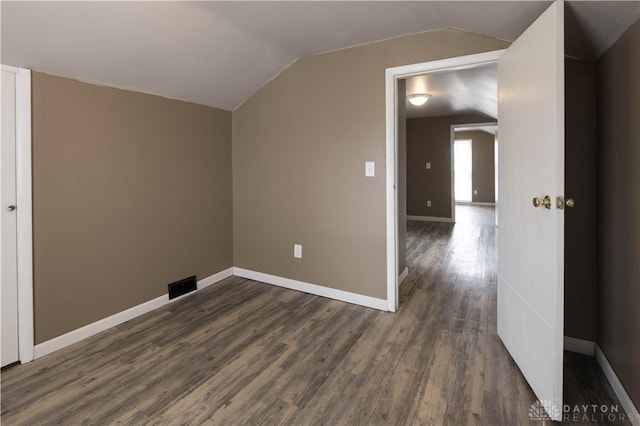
[[391, 149], [24, 212]]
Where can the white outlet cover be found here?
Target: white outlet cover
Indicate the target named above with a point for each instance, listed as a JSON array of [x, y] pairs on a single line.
[[297, 251], [428, 203], [428, 165], [475, 192], [370, 169]]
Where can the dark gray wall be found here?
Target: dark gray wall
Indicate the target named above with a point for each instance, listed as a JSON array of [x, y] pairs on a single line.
[[580, 184], [618, 82], [429, 139]]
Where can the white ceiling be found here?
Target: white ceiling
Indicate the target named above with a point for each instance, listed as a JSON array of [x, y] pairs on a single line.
[[472, 90], [220, 53]]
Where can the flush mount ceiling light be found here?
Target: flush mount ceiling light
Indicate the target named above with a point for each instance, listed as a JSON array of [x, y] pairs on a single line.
[[418, 99]]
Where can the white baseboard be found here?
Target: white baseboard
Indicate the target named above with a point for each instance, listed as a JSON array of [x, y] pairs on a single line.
[[618, 388], [212, 279], [430, 219], [403, 276], [475, 203], [587, 347], [74, 336], [332, 293], [580, 346]]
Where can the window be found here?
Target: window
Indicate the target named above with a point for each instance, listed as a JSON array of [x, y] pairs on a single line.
[[462, 161]]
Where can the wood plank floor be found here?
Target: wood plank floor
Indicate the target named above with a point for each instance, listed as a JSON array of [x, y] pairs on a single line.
[[242, 352]]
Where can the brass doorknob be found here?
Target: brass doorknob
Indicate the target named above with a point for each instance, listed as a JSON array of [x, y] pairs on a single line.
[[569, 203], [539, 202]]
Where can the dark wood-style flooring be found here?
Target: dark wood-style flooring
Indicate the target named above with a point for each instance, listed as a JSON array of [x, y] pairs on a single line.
[[242, 352]]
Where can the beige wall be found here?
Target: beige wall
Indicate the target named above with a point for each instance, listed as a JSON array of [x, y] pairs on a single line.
[[483, 173], [618, 211], [299, 148], [130, 192], [429, 139], [580, 302]]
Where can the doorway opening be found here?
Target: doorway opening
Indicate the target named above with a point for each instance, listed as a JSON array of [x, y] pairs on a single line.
[[466, 244], [398, 157], [474, 149]]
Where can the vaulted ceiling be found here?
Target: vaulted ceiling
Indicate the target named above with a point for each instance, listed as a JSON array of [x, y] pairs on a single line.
[[220, 53]]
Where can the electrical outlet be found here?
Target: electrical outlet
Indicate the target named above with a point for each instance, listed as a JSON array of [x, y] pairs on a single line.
[[475, 192], [297, 251], [429, 203], [428, 165]]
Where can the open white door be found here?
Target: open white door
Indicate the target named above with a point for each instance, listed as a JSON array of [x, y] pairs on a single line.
[[531, 239], [8, 224]]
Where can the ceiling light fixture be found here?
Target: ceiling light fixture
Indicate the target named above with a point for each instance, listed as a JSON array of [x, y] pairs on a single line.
[[418, 99]]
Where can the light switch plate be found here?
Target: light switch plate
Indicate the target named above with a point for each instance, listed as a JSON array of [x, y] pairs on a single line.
[[428, 165], [369, 169], [475, 192], [297, 251], [429, 203]]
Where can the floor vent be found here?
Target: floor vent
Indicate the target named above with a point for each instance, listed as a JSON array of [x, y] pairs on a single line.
[[184, 286]]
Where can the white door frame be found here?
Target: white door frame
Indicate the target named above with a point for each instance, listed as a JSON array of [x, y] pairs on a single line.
[[24, 212], [452, 138], [391, 78]]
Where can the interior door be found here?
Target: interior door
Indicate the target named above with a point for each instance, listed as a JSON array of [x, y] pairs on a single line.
[[531, 239], [8, 224]]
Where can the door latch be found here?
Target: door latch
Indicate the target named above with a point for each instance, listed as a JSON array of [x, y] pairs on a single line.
[[561, 203]]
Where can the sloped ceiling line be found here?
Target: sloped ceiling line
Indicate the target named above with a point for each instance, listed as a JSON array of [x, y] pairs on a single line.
[[221, 53]]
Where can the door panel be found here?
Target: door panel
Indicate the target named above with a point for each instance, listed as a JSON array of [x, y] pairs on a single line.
[[8, 229], [531, 240]]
